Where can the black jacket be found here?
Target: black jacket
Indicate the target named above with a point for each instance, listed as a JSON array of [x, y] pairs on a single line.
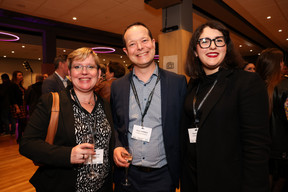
[[232, 148], [278, 121], [58, 174]]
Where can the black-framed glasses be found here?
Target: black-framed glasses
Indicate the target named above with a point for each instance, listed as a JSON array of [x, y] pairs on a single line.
[[205, 43]]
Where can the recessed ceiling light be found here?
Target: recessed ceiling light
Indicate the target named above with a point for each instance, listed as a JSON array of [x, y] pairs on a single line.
[[240, 45], [74, 18], [121, 56], [103, 59], [280, 30], [259, 53], [4, 56], [12, 51], [269, 17], [39, 59], [23, 46], [286, 39], [124, 61], [64, 50], [251, 50]]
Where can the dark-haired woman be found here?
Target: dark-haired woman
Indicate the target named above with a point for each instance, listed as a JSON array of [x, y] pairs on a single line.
[[269, 66], [225, 135], [18, 106]]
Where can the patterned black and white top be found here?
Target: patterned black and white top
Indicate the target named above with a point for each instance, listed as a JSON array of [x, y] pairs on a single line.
[[84, 124]]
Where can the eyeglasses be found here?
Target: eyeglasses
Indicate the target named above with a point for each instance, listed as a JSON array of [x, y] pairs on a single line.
[[205, 43], [81, 67]]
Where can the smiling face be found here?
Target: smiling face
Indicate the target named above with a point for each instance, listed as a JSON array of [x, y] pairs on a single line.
[[84, 79], [211, 57], [140, 48]]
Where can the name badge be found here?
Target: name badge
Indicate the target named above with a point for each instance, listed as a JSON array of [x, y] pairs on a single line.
[[141, 133], [97, 158], [192, 134]]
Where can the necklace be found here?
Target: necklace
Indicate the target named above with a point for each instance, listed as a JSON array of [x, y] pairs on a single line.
[[76, 99], [89, 103]]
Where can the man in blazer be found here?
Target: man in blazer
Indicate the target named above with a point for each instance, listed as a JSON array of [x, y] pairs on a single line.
[[58, 80], [146, 106]]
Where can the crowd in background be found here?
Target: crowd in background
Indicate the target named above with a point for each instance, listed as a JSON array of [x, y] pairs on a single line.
[[226, 130]]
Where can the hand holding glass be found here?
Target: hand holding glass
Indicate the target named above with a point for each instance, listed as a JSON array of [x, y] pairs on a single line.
[[92, 173], [128, 156]]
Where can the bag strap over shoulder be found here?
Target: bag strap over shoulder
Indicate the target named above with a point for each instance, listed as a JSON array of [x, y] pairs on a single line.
[[53, 124]]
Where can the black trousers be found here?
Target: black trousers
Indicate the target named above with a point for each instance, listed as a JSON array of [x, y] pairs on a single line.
[[155, 181]]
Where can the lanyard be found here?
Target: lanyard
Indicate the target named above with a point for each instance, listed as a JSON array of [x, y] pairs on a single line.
[[76, 98], [92, 128], [195, 111], [149, 98]]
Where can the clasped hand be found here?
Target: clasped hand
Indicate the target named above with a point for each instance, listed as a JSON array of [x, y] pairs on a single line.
[[81, 152]]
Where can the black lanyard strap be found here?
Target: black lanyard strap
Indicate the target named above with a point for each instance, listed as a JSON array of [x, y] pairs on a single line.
[[195, 111], [149, 98], [92, 127]]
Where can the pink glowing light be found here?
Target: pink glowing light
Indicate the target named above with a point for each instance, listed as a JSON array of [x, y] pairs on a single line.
[[103, 49], [10, 35]]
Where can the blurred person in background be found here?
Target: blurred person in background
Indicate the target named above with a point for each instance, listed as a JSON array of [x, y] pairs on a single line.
[[250, 67], [45, 76], [5, 104], [269, 66], [17, 104], [58, 80], [114, 70], [33, 93]]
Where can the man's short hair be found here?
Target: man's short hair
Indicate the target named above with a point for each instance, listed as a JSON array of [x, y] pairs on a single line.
[[134, 24], [5, 76], [58, 59], [39, 78], [116, 68]]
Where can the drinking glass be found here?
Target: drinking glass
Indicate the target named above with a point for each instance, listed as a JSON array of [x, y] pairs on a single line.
[[89, 162], [128, 156]]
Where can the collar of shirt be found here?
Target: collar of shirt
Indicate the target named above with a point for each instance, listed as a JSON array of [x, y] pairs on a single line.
[[155, 73], [63, 80]]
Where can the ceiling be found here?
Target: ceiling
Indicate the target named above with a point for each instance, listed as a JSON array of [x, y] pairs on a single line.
[[251, 31]]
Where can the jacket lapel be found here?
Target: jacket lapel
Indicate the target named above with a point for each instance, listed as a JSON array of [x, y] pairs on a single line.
[[164, 95], [66, 112], [126, 97], [59, 82], [215, 94]]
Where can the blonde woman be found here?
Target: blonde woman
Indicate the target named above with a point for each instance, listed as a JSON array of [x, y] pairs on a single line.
[[82, 113]]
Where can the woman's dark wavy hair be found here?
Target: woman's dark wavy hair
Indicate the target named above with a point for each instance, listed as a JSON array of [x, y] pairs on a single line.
[[269, 69], [14, 77], [193, 66]]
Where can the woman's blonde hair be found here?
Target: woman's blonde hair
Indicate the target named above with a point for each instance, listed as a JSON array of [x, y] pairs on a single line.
[[81, 54]]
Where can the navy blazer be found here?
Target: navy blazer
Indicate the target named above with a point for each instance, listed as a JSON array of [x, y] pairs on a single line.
[[53, 84], [173, 90]]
